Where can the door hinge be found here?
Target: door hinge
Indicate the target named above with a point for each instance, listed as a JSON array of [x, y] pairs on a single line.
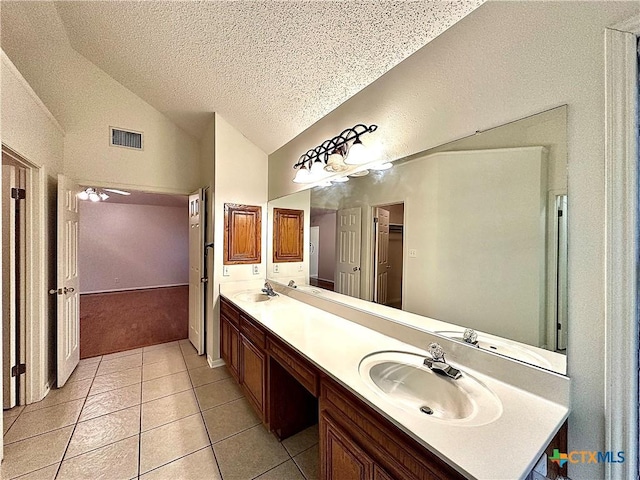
[[18, 369], [375, 219], [559, 213], [18, 193]]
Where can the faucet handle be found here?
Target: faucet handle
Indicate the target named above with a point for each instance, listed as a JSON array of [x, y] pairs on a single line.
[[436, 352], [470, 336]]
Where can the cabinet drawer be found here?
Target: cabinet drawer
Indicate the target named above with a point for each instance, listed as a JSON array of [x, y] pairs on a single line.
[[229, 311], [253, 332], [302, 370]]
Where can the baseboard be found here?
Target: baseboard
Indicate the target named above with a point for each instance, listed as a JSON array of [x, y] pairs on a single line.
[[215, 363], [152, 287]]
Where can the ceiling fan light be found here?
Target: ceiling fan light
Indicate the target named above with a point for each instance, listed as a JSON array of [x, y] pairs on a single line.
[[94, 197], [83, 195], [103, 196], [302, 176], [357, 153]]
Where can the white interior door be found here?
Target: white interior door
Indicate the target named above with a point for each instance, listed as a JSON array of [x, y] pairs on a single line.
[[196, 270], [68, 281], [381, 261], [349, 234], [9, 181], [314, 241]]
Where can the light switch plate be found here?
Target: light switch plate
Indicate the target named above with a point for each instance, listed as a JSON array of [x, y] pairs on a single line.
[[276, 268], [225, 270], [300, 267], [256, 269], [413, 253]]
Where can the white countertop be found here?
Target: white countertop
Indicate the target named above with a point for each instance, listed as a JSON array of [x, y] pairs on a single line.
[[506, 448]]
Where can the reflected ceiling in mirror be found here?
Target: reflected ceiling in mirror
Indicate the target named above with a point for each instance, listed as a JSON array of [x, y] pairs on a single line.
[[471, 233]]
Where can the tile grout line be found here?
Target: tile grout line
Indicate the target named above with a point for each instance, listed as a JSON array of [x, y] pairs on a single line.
[[76, 423], [204, 423], [140, 428]]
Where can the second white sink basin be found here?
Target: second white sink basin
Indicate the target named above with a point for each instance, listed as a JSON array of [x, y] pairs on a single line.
[[506, 348], [403, 380], [252, 297]]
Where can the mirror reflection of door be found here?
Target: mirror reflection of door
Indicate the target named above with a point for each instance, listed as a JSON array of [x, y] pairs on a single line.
[[314, 241], [562, 313], [388, 255], [349, 234]]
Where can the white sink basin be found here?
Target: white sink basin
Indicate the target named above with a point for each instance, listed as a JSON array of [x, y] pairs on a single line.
[[403, 380], [505, 348], [252, 297]]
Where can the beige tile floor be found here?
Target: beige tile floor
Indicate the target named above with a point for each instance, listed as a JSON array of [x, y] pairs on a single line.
[[152, 413]]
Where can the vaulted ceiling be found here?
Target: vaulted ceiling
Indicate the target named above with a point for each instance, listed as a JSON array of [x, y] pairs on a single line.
[[270, 68]]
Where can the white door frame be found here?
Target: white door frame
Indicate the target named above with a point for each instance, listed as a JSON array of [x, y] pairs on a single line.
[[37, 383], [621, 221]]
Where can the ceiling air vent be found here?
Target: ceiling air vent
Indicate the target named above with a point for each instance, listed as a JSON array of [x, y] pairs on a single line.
[[126, 138]]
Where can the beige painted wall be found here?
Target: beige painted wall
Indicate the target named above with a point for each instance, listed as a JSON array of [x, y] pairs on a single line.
[[505, 61], [240, 173], [30, 130]]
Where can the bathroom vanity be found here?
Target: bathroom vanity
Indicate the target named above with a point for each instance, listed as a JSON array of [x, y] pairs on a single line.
[[299, 365]]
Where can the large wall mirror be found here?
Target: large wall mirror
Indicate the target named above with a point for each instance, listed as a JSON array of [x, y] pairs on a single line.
[[471, 233]]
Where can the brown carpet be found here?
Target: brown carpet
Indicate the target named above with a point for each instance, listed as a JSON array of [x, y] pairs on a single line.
[[118, 321]]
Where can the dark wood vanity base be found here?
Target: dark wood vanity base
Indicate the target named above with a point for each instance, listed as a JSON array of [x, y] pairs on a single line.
[[289, 393]]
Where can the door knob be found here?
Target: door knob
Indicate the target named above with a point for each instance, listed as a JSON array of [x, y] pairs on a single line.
[[204, 280], [54, 291], [355, 269], [69, 290]]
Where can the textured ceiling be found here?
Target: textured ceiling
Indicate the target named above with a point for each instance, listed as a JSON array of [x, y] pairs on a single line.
[[270, 68]]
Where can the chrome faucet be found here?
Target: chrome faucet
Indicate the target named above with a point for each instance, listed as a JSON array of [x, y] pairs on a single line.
[[438, 364], [268, 290], [292, 284], [470, 336]]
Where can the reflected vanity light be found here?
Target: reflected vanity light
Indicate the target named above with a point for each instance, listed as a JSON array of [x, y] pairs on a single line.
[[93, 194], [340, 179], [334, 155]]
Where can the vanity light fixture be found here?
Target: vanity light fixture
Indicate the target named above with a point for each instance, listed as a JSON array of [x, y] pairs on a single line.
[[340, 180], [333, 155]]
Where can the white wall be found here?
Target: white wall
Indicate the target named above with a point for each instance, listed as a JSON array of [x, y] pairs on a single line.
[[30, 130], [86, 101], [326, 245], [240, 173], [125, 246], [504, 61], [296, 271]]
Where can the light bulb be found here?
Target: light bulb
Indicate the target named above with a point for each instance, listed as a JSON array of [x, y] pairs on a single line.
[[340, 180], [357, 153], [83, 195], [93, 196], [103, 196], [335, 163], [317, 169], [303, 175]]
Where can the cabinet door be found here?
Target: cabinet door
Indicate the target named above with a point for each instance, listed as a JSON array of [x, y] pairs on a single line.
[[288, 235], [224, 340], [340, 457], [253, 373], [234, 351]]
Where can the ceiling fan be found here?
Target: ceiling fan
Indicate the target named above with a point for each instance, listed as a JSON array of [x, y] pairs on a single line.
[[99, 194]]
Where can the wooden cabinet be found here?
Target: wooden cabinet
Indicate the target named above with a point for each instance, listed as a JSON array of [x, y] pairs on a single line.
[[230, 337], [288, 235], [252, 376], [242, 234], [341, 458], [253, 365], [356, 437]]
